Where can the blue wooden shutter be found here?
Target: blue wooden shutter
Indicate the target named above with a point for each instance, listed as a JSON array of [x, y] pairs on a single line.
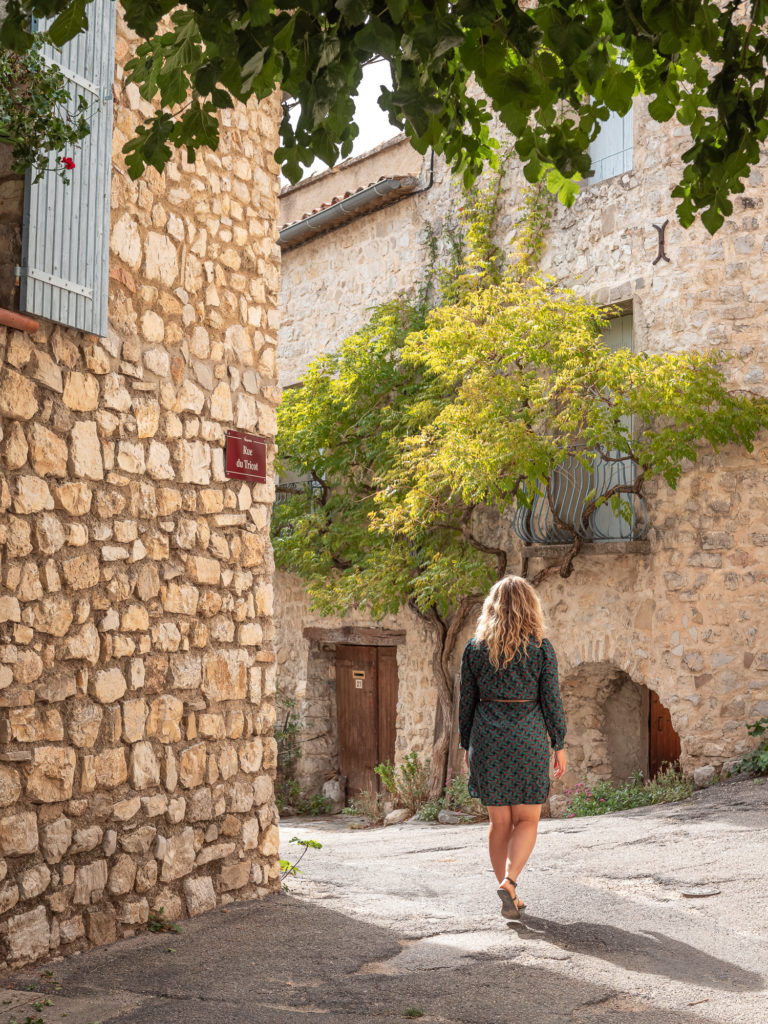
[[611, 151], [65, 246]]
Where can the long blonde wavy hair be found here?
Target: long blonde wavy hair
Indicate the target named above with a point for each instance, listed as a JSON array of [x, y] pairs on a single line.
[[510, 617]]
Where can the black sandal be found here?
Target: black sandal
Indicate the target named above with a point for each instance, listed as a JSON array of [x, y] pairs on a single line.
[[510, 905]]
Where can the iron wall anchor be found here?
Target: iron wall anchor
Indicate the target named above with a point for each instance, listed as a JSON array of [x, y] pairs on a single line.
[[661, 228]]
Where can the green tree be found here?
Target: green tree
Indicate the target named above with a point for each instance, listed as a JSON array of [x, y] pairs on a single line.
[[427, 422], [551, 71]]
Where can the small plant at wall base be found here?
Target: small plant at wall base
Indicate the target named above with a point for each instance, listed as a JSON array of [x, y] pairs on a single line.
[[757, 761], [455, 797], [288, 867], [38, 118], [287, 793], [446, 407], [158, 922], [287, 729], [601, 797], [370, 805], [408, 784]]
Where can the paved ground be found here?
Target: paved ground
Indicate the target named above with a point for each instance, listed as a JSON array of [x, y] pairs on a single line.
[[406, 918]]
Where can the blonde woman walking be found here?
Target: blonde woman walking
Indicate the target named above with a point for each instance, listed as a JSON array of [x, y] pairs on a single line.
[[509, 702]]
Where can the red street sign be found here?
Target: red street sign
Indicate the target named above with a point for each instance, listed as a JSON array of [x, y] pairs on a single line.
[[246, 456]]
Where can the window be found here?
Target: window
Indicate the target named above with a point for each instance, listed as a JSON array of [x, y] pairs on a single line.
[[65, 244], [571, 484], [606, 524], [611, 151], [618, 333]]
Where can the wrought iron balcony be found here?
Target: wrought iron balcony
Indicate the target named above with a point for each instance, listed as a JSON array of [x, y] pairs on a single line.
[[564, 509], [285, 489]]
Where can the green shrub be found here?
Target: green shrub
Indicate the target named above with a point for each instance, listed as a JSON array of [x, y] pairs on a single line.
[[287, 728], [37, 117], [286, 793], [457, 798], [314, 805], [603, 797], [757, 761], [430, 810], [371, 806], [408, 784]]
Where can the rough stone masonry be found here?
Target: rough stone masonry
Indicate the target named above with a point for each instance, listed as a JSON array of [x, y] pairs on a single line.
[[136, 669]]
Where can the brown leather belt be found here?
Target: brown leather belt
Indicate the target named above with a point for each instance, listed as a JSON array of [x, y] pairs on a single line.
[[503, 700]]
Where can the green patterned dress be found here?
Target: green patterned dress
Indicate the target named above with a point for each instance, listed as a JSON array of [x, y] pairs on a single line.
[[507, 743]]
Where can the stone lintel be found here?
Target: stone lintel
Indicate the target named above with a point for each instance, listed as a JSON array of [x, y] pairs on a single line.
[[363, 636], [607, 547]]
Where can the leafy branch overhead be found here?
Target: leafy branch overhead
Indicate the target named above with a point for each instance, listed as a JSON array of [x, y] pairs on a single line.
[[551, 71]]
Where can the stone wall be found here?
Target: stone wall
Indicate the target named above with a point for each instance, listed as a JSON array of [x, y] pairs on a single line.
[[685, 617], [136, 665], [353, 267]]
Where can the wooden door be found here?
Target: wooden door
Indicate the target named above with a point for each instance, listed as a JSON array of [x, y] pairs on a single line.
[[664, 741], [386, 674], [366, 701]]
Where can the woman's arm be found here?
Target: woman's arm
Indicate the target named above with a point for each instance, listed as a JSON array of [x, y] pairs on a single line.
[[468, 697], [549, 697]]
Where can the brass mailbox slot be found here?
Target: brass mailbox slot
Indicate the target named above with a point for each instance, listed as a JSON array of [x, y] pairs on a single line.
[[359, 676]]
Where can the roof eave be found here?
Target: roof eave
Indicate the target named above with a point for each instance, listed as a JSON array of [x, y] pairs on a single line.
[[374, 197]]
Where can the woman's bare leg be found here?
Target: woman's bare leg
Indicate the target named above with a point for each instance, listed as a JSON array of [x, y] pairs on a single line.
[[525, 823], [499, 838]]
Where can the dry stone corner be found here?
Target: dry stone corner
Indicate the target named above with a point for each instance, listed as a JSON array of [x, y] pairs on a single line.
[[136, 664]]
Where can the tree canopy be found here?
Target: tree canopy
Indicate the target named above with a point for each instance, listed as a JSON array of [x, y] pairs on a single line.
[[551, 72], [429, 423]]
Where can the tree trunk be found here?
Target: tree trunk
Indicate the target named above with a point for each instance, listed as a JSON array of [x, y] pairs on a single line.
[[441, 741], [447, 635]]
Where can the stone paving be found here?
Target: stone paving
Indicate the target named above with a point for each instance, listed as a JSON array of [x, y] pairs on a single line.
[[402, 919]]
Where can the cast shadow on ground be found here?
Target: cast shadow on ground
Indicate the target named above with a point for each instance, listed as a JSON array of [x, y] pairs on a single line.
[[643, 951], [285, 960]]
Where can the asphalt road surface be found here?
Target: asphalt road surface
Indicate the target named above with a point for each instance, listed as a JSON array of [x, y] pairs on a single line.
[[401, 923]]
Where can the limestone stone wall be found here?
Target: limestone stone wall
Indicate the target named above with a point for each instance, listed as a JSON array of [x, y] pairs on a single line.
[[136, 638], [328, 284], [686, 617]]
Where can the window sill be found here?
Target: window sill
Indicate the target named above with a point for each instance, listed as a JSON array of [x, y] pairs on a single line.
[[605, 547]]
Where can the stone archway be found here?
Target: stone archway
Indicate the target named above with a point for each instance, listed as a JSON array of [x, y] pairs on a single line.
[[608, 723]]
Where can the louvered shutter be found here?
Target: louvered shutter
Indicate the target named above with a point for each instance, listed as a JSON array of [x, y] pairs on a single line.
[[65, 247], [611, 151], [606, 524]]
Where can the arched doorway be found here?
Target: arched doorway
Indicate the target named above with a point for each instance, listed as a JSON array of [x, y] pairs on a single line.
[[616, 727]]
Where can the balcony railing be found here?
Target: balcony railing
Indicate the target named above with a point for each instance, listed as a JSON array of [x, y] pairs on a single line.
[[561, 512], [286, 489]]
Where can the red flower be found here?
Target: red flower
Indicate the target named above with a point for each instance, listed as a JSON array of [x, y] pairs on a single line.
[[68, 162]]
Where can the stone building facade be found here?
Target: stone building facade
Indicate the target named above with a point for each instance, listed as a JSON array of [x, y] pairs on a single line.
[[673, 625], [136, 665]]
